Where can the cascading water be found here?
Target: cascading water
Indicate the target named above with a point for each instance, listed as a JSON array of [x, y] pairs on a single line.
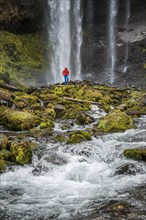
[[112, 39], [127, 16], [65, 26], [68, 182]]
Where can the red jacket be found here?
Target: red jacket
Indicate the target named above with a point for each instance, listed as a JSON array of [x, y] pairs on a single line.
[[65, 72]]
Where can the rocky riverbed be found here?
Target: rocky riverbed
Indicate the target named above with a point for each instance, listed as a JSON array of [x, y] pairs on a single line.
[[75, 151]]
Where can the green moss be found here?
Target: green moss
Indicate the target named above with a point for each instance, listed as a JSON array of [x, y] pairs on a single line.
[[22, 151], [75, 138], [60, 138], [6, 155], [78, 136], [3, 141], [3, 166], [137, 153], [48, 124], [86, 134], [17, 120], [115, 121], [84, 119], [23, 57]]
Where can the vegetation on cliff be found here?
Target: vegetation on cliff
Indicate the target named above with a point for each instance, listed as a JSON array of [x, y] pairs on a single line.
[[23, 58]]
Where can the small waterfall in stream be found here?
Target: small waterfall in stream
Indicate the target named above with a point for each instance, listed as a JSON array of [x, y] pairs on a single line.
[[127, 16], [64, 28], [112, 39]]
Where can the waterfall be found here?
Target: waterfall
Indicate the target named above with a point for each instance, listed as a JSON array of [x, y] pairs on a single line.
[[112, 39], [64, 31], [127, 16]]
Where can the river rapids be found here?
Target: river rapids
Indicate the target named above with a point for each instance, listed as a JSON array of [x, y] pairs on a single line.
[[67, 182]]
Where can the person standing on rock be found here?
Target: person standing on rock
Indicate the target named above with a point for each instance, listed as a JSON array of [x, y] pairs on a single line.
[[65, 73]]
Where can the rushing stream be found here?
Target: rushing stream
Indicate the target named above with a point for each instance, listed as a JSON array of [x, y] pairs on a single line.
[[73, 181]]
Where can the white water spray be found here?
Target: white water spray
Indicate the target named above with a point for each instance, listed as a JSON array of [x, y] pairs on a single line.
[[112, 39], [126, 27], [65, 26]]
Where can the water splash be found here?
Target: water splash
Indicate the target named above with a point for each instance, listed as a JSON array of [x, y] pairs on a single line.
[[64, 28], [112, 39]]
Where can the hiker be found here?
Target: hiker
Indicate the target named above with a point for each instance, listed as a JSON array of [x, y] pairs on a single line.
[[65, 73]]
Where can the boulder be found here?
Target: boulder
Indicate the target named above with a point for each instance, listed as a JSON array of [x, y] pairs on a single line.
[[136, 153], [22, 151], [17, 120], [6, 155], [83, 119], [59, 110], [115, 121], [78, 136]]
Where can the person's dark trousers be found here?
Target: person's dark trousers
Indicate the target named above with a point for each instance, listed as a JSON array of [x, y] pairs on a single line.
[[65, 79]]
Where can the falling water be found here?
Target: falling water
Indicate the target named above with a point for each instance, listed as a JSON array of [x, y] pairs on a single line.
[[64, 28], [126, 26], [112, 39]]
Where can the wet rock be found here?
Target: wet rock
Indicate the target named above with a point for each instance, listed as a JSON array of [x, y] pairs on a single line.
[[3, 141], [55, 158], [83, 119], [60, 110], [60, 138], [3, 166], [79, 136], [136, 153], [128, 169], [6, 155], [22, 151], [115, 121]]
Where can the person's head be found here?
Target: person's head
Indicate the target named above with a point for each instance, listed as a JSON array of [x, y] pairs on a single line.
[[65, 68]]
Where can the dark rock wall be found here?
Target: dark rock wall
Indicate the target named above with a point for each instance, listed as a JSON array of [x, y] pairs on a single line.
[[22, 16], [29, 16], [95, 42]]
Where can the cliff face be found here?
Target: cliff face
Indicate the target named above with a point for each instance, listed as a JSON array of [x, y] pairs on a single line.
[[95, 42], [22, 16], [23, 52], [30, 16]]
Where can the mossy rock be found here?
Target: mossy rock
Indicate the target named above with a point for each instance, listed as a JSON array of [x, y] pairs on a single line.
[[83, 119], [86, 134], [50, 112], [23, 58], [17, 120], [22, 151], [75, 138], [25, 99], [115, 121], [47, 124], [135, 101], [60, 138], [3, 166], [6, 155], [78, 136], [136, 154], [3, 141]]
